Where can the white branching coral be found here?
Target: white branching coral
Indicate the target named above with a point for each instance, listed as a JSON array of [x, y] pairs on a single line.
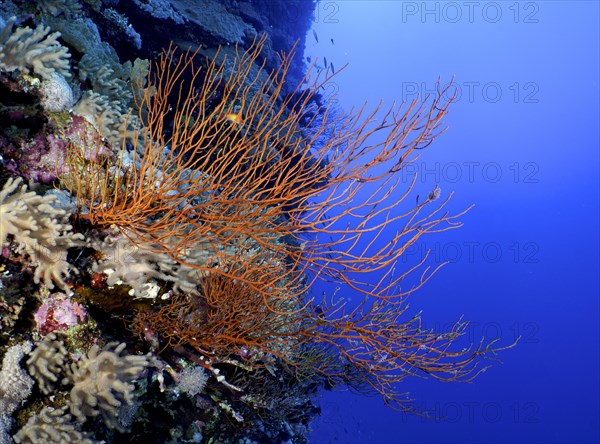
[[51, 426], [109, 107], [36, 50], [108, 82], [46, 362], [39, 229], [102, 383], [126, 263], [107, 116]]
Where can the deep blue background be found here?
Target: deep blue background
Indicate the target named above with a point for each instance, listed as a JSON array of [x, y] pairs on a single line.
[[523, 146]]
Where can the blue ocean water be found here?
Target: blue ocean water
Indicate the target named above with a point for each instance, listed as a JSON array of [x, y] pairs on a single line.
[[523, 146]]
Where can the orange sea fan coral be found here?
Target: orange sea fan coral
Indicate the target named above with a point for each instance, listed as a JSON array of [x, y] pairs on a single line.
[[261, 180], [279, 192]]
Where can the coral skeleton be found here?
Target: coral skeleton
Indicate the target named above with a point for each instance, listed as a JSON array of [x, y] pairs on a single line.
[[15, 383]]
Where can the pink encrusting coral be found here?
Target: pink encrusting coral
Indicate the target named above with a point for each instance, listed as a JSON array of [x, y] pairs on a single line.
[[57, 313], [40, 159]]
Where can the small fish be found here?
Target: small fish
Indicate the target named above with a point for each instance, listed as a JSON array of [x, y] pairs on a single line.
[[332, 68], [332, 42], [308, 59], [315, 35], [234, 118], [325, 61]]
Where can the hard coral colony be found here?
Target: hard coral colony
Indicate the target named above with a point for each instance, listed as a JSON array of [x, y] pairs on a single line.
[[163, 221]]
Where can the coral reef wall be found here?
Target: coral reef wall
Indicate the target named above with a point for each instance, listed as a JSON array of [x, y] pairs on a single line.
[[172, 183], [67, 71]]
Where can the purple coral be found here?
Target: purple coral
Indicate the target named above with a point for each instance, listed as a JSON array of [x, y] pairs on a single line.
[[41, 159], [57, 313], [83, 135]]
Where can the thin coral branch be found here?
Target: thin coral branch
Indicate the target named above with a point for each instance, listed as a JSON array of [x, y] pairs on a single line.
[[222, 161], [219, 155]]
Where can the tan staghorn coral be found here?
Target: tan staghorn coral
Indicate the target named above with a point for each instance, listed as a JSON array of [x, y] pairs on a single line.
[[34, 50], [102, 383], [51, 426], [46, 362], [39, 229]]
